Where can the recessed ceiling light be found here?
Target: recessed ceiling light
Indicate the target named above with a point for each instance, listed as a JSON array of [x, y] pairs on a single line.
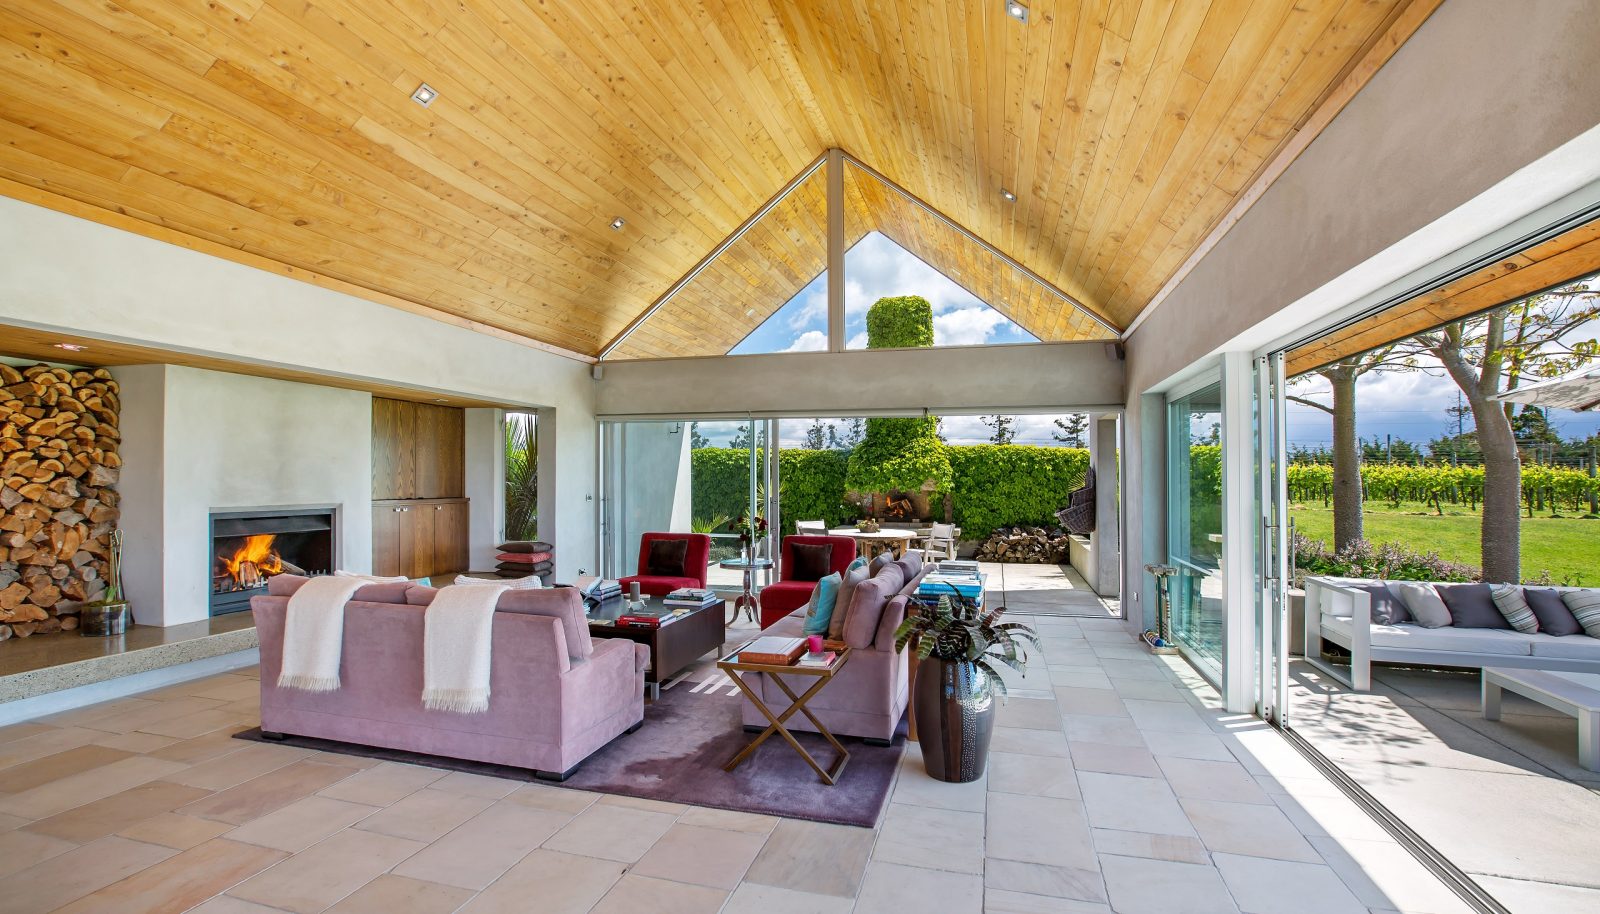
[[617, 223], [71, 347], [1016, 10], [1010, 197], [750, 312], [425, 95], [440, 400]]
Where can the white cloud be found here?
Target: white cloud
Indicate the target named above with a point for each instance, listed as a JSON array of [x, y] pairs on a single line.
[[859, 341], [810, 341], [966, 327]]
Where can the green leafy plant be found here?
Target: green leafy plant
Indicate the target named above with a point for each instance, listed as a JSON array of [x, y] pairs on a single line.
[[900, 322], [955, 629], [522, 479], [708, 524], [999, 485]]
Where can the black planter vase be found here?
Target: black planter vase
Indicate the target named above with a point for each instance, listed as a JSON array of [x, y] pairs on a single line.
[[955, 706]]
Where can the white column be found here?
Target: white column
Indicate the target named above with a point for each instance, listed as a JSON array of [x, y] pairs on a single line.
[[1106, 559], [1239, 530]]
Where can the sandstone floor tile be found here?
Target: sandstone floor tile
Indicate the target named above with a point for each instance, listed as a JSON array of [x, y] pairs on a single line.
[[1030, 742], [702, 856], [1148, 689], [271, 791], [1263, 886], [1091, 702], [1207, 746], [1132, 804], [1039, 830], [1137, 885], [398, 895], [475, 785], [1113, 759], [1248, 828], [813, 857], [634, 893], [891, 887], [611, 833], [938, 839], [1038, 879], [324, 873], [19, 731], [1172, 848], [729, 820], [563, 883], [229, 688], [426, 815], [56, 766], [301, 824], [67, 877], [136, 742], [1029, 714], [181, 882], [151, 714], [671, 809], [45, 742], [175, 831], [189, 726], [999, 901], [481, 849], [1383, 875], [107, 816], [751, 898], [22, 849], [916, 787], [555, 799], [1033, 775], [227, 904], [86, 786], [1202, 780], [225, 762], [1166, 715], [383, 785]]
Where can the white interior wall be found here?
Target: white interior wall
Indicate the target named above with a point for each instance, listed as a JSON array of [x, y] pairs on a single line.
[[485, 485], [1487, 114]]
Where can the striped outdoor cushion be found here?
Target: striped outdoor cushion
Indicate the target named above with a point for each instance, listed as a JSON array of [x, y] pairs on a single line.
[[1513, 605], [1585, 606]]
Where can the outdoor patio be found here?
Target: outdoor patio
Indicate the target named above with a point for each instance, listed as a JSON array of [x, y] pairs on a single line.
[[1505, 800]]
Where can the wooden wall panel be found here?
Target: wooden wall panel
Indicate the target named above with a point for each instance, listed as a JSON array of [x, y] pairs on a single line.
[[418, 450], [283, 130], [394, 453]]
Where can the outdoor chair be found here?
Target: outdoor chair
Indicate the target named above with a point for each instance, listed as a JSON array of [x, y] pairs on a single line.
[[811, 527], [940, 543]]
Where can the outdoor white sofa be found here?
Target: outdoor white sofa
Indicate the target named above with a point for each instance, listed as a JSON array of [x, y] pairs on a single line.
[[1339, 612]]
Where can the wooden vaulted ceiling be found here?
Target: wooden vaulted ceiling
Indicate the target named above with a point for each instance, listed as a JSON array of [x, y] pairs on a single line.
[[283, 131]]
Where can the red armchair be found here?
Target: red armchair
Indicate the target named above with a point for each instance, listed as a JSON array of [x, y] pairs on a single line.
[[786, 595], [696, 557]]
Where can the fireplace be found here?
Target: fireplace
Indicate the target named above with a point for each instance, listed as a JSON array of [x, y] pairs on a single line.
[[250, 546]]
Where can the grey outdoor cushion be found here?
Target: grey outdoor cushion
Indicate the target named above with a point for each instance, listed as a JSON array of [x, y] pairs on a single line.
[[1554, 616], [1471, 606]]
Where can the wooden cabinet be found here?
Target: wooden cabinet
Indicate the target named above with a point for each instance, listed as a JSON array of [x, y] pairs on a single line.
[[419, 537], [418, 450]]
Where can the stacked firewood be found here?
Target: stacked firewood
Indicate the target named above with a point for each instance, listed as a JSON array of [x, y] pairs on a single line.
[[58, 498], [1026, 546]]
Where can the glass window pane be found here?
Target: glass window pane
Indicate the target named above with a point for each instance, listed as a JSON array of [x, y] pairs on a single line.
[[1194, 522]]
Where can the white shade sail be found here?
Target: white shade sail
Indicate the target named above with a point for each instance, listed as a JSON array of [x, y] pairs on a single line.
[[1577, 391]]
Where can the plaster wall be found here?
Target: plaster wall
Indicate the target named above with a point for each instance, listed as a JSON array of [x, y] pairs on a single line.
[[1432, 155]]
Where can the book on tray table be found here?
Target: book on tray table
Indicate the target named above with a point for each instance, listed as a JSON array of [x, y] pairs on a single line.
[[692, 597], [776, 650]]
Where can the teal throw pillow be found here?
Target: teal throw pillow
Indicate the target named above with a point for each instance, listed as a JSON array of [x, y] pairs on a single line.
[[819, 611]]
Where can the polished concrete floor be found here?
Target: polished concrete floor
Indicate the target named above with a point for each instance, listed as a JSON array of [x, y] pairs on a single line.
[[1114, 785], [1504, 800]]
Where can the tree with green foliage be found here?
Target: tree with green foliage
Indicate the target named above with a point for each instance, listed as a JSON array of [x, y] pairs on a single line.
[[522, 478], [1005, 428], [1069, 430], [816, 436], [903, 454], [697, 440]]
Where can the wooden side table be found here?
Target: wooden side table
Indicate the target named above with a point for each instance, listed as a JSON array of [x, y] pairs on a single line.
[[823, 675]]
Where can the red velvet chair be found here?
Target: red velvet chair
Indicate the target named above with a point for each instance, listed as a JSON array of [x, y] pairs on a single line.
[[695, 560], [786, 595]]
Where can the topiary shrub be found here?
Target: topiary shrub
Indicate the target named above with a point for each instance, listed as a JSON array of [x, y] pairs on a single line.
[[997, 485], [900, 322], [903, 454]]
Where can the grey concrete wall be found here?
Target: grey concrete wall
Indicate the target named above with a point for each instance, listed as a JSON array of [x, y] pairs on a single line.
[[655, 487], [847, 383], [1483, 89]]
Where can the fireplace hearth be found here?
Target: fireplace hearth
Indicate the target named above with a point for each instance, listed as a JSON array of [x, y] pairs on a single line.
[[251, 546]]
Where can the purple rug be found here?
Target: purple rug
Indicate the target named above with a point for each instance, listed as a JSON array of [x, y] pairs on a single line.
[[677, 757]]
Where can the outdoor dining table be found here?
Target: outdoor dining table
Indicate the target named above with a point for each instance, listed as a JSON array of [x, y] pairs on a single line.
[[870, 544]]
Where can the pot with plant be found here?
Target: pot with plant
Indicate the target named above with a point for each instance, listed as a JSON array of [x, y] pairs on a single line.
[[958, 644], [109, 614]]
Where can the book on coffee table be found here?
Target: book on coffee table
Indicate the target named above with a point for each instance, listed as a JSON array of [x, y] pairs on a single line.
[[773, 649]]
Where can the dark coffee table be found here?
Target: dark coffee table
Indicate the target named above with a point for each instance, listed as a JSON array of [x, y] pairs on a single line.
[[673, 645]]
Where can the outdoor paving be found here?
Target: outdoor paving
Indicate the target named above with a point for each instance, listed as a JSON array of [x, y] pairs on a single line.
[[1115, 785], [1504, 800]]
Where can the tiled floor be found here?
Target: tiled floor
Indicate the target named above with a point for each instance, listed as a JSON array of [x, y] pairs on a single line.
[[1418, 743], [1114, 785]]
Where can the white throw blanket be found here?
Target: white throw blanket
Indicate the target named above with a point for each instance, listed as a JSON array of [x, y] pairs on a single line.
[[457, 644], [313, 632]]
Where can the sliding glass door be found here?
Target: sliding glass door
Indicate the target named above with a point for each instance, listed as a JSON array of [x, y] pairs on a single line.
[[1194, 525]]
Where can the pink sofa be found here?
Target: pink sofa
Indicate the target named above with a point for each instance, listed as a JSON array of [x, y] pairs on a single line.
[[868, 697], [784, 596], [557, 696]]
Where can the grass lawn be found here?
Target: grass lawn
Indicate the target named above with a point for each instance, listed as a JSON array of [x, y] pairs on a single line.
[[1567, 547]]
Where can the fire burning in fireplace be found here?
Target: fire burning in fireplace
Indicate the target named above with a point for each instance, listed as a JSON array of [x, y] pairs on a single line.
[[899, 506], [250, 563]]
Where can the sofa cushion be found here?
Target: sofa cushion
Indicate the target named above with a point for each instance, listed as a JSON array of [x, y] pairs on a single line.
[[866, 610], [809, 561], [665, 558], [910, 563], [1552, 612], [1471, 606], [1585, 606], [879, 561], [1569, 647], [529, 582], [1509, 600], [820, 608], [853, 576], [284, 585], [560, 603], [519, 546], [1423, 602], [523, 558], [1446, 638], [1387, 609]]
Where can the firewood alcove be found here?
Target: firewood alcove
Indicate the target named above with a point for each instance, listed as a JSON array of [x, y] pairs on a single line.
[[58, 499]]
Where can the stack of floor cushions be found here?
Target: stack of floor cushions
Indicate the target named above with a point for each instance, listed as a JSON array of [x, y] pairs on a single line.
[[520, 559]]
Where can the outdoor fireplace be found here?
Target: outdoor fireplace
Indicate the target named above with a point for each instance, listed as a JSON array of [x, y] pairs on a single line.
[[248, 547]]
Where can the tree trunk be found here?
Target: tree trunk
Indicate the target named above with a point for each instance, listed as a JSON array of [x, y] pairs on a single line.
[[1502, 494], [1347, 527]]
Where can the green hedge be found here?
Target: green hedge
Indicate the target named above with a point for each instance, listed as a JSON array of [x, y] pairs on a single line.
[[1001, 484], [903, 454], [992, 485]]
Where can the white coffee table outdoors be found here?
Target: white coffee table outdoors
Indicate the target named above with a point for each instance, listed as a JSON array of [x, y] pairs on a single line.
[[1577, 694]]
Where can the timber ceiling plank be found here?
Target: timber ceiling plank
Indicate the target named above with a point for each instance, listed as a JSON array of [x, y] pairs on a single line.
[[284, 128]]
